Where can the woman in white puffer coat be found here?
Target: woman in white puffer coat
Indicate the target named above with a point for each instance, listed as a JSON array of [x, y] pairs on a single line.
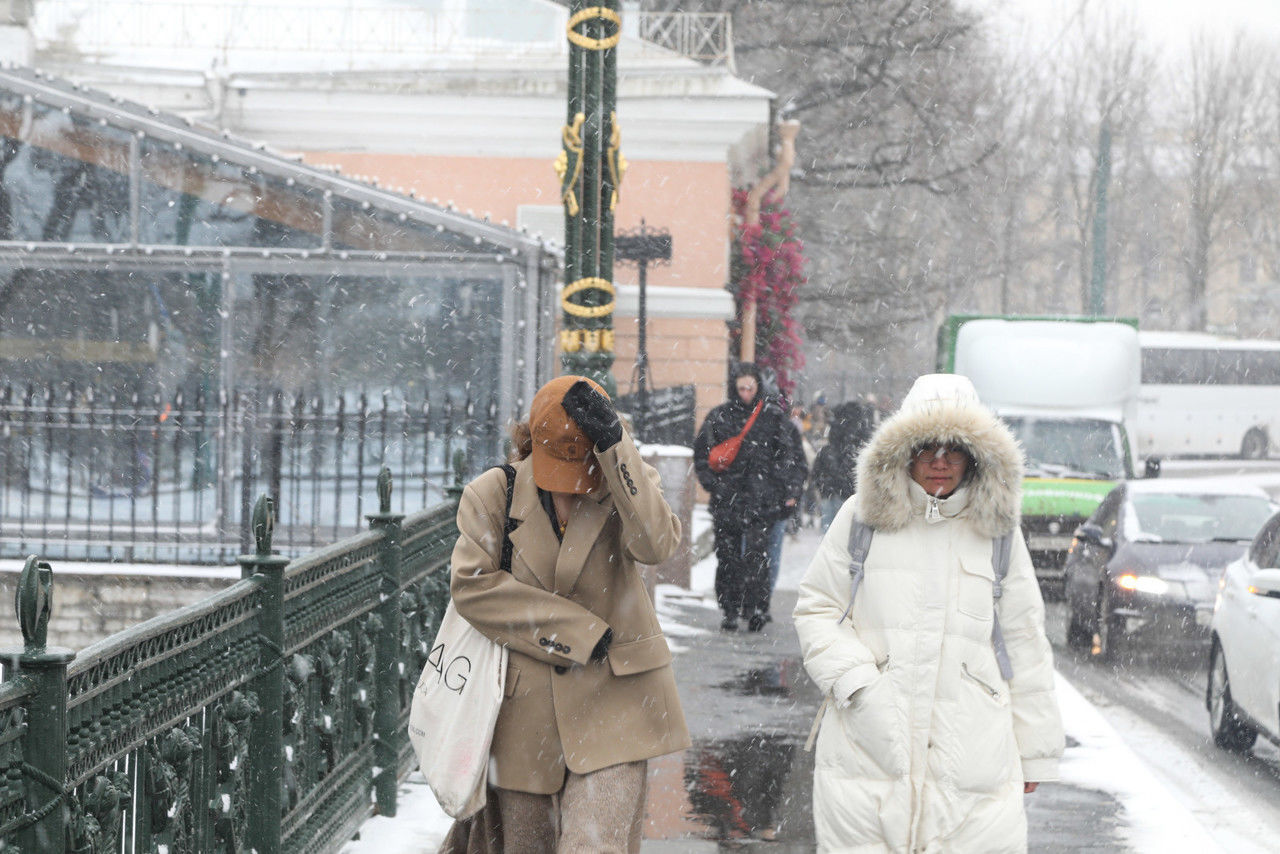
[[924, 747]]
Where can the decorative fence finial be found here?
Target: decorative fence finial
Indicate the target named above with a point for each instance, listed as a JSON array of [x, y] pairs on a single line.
[[264, 522], [384, 490], [33, 601]]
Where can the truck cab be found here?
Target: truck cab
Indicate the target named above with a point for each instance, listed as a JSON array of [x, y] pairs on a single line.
[[1071, 465], [1067, 388]]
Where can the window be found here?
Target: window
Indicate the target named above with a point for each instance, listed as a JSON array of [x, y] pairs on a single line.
[[1266, 544], [1074, 448], [1223, 366], [1195, 518], [1107, 515], [1172, 366]]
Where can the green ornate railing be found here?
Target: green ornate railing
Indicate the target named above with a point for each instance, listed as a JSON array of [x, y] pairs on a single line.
[[270, 716]]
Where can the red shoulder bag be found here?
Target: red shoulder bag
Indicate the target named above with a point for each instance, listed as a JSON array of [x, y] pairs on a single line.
[[723, 455]]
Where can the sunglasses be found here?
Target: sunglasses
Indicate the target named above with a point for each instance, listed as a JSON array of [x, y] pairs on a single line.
[[952, 455]]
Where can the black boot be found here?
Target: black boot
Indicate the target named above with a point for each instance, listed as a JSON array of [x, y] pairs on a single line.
[[729, 624], [757, 621]]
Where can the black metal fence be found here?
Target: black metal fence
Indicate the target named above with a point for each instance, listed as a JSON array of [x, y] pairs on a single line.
[[668, 416], [88, 476], [271, 716]]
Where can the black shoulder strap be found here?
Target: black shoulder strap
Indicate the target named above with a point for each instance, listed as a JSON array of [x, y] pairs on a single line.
[[508, 526]]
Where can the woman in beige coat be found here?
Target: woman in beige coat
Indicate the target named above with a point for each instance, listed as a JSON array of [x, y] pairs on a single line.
[[590, 694]]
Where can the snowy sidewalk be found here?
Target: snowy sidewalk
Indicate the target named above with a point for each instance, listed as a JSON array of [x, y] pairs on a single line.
[[1107, 799]]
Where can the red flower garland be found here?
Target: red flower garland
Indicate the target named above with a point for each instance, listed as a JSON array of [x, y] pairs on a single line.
[[769, 269]]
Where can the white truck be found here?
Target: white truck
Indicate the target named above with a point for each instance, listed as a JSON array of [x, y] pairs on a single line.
[[1068, 388]]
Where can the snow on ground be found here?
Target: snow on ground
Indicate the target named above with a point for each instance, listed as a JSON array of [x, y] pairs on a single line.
[[419, 825], [1153, 820], [149, 570]]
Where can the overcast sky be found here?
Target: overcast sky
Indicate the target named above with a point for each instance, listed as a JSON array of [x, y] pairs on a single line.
[[1170, 23]]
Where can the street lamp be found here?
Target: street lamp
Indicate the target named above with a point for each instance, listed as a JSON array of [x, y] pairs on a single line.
[[590, 167], [643, 246]]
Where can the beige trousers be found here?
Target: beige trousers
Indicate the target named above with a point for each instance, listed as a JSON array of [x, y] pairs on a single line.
[[597, 813]]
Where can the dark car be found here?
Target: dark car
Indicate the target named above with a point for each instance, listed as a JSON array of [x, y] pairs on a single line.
[[1145, 566]]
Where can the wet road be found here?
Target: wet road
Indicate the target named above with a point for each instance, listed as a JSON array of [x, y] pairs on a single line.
[[747, 782], [1156, 702]]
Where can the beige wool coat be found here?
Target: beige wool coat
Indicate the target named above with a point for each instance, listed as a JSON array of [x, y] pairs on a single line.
[[562, 710]]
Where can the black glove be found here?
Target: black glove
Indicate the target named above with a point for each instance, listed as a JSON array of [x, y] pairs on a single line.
[[602, 646], [594, 414]]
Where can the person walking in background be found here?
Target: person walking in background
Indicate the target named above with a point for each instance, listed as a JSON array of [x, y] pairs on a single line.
[[930, 736], [794, 473], [758, 486], [590, 695], [818, 418], [834, 477]]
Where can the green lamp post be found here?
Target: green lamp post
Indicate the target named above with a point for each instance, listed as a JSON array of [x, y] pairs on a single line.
[[590, 167]]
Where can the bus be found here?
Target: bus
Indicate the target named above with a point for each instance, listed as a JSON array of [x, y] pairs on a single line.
[[1206, 395]]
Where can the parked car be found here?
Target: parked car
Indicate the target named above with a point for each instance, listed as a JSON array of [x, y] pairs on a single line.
[[1243, 695], [1144, 567]]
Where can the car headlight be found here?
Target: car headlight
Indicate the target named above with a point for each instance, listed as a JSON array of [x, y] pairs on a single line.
[[1143, 584]]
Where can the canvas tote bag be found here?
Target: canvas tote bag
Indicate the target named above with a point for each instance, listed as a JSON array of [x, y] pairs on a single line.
[[455, 704]]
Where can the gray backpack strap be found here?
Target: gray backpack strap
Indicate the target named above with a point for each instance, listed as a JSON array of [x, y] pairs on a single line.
[[859, 545], [1001, 547]]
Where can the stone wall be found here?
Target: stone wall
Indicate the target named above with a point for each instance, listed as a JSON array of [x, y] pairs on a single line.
[[91, 604]]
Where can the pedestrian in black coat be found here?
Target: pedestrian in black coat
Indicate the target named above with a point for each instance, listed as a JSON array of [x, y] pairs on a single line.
[[762, 485], [833, 476]]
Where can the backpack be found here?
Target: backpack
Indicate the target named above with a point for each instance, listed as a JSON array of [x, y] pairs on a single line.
[[860, 544]]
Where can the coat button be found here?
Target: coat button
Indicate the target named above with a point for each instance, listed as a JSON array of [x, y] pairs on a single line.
[[560, 668]]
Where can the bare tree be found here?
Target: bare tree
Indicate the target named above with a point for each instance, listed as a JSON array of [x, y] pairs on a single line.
[[892, 97], [1218, 119], [1104, 73], [878, 84], [1260, 251]]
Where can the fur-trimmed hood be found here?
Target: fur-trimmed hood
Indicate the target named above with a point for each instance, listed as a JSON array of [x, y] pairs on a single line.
[[941, 408]]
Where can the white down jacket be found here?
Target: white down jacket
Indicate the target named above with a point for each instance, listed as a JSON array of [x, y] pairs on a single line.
[[924, 747]]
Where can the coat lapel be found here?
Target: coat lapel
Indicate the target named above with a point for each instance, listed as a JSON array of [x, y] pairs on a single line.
[[533, 542], [589, 517]]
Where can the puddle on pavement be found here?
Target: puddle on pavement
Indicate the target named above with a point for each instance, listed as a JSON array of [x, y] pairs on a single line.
[[729, 789], [777, 680]]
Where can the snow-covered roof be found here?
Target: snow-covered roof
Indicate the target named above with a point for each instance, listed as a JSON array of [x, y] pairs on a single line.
[[443, 77], [222, 37], [1202, 341], [1194, 486], [296, 35], [185, 134]]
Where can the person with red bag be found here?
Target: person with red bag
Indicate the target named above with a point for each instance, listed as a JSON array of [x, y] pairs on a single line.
[[746, 457]]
